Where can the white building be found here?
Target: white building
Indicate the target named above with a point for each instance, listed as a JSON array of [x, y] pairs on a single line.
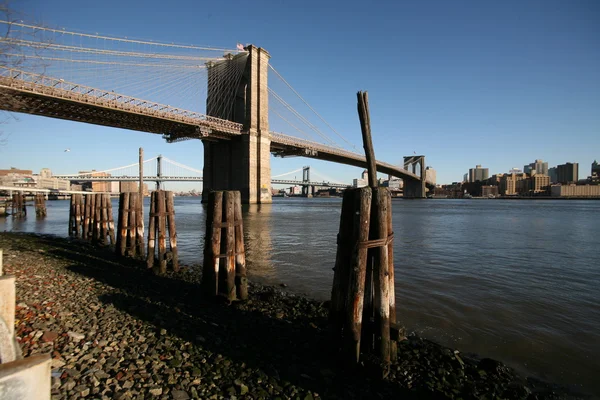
[[430, 175]]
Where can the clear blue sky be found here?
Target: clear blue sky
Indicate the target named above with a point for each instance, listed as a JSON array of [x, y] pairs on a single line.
[[464, 82]]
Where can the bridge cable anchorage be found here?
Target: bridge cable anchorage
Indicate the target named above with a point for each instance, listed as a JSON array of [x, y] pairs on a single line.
[[310, 107]]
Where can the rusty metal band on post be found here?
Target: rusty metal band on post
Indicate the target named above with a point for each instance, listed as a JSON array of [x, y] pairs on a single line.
[[368, 244]]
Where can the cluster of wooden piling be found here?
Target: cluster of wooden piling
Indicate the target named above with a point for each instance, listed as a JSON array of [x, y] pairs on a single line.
[[363, 308], [40, 205], [91, 218], [224, 271], [130, 228], [19, 210], [161, 226]]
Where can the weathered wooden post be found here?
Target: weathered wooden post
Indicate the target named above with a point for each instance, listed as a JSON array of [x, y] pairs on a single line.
[[224, 267], [362, 301], [88, 216], [19, 209], [76, 217], [162, 225], [102, 220], [129, 240], [40, 205]]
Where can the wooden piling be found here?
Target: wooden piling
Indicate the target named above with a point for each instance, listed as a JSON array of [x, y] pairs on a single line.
[[362, 313], [162, 227], [224, 270], [151, 231], [40, 205], [392, 282], [122, 222], [241, 280], [162, 236], [131, 250], [228, 247], [340, 271], [19, 209], [110, 220], [139, 227], [76, 216], [212, 244], [170, 217]]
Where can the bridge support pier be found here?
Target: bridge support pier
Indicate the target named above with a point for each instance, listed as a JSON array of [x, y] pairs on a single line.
[[244, 162], [415, 189]]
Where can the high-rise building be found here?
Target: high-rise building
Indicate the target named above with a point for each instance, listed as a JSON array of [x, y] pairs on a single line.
[[567, 173], [478, 174], [539, 166], [553, 174], [595, 171]]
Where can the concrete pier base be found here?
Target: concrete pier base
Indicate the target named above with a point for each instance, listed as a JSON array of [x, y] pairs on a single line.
[[26, 379], [20, 379]]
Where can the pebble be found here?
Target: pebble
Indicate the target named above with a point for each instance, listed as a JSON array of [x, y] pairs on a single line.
[[116, 331]]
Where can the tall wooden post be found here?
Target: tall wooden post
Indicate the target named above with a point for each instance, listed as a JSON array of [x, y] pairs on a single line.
[[362, 301], [160, 227], [141, 192]]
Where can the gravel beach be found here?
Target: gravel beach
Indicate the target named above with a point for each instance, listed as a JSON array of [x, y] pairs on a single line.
[[116, 331]]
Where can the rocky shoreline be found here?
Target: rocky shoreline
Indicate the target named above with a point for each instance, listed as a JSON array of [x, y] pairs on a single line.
[[115, 331]]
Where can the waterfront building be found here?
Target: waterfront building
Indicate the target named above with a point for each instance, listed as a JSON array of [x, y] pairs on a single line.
[[489, 191], [465, 177], [539, 183], [45, 181], [575, 190], [478, 174], [96, 186], [509, 182], [537, 167], [567, 173], [362, 181]]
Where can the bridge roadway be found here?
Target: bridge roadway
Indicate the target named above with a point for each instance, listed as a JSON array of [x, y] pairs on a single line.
[[128, 178], [36, 94]]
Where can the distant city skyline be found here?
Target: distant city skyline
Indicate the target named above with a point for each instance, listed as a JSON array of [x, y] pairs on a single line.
[[464, 84]]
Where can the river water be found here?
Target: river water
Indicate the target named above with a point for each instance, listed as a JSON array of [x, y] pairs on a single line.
[[517, 281]]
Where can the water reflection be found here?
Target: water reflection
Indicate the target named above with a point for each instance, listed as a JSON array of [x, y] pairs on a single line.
[[258, 242]]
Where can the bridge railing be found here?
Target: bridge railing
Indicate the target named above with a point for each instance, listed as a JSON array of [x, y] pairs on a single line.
[[59, 88]]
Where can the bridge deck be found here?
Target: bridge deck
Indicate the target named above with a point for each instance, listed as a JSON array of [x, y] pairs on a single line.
[[35, 94]]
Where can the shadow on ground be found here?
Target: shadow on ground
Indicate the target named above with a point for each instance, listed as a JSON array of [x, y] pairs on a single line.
[[284, 336]]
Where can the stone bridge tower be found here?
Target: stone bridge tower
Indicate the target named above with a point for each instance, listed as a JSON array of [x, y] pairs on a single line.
[[242, 163], [415, 189]]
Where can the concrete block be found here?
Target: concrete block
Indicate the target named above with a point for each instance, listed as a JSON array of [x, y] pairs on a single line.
[[26, 379]]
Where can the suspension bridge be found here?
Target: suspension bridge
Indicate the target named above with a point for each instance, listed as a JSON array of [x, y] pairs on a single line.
[[162, 169], [233, 100]]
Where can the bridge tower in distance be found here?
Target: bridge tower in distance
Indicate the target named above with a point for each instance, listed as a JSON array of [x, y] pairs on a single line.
[[415, 189], [307, 191], [244, 162]]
